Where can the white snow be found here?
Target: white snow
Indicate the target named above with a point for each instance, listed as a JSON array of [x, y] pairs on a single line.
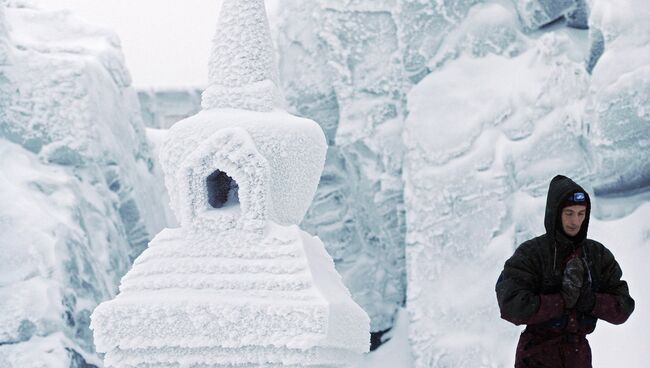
[[340, 65], [617, 110], [537, 13], [445, 121], [240, 284], [486, 132], [46, 352], [396, 352], [242, 68], [274, 157], [235, 297], [629, 239], [77, 198]]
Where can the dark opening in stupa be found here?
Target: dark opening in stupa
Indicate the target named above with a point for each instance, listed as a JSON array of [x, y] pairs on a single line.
[[222, 190]]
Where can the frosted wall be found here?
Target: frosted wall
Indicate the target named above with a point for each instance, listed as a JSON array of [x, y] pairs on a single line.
[[479, 105], [79, 201]]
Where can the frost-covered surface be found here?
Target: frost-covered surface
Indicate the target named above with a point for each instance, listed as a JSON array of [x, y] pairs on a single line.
[[537, 13], [162, 107], [156, 139], [341, 66], [396, 351], [242, 68], [238, 283], [618, 107], [54, 271], [470, 173], [76, 188], [478, 162], [274, 157], [493, 106], [234, 298]]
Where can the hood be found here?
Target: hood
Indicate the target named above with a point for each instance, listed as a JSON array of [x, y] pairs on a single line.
[[558, 190]]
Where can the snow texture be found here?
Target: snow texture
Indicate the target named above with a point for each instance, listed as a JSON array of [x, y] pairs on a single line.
[[469, 180], [617, 111], [537, 13], [238, 284], [236, 298], [78, 197], [242, 68], [340, 66], [275, 159], [476, 177], [579, 18], [161, 107], [491, 104], [396, 351]]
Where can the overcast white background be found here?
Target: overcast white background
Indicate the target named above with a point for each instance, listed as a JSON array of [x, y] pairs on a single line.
[[166, 43]]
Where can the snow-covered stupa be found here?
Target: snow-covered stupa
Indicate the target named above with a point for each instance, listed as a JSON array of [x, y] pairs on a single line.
[[239, 284]]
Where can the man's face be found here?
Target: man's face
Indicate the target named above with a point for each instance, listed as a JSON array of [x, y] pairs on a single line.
[[572, 219]]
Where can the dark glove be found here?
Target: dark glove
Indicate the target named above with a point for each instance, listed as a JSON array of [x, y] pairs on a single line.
[[587, 299], [572, 281]]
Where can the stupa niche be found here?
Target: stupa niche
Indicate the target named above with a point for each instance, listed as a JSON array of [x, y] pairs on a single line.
[[238, 284]]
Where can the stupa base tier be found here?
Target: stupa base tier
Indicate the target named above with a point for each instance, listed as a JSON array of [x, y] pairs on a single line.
[[216, 357], [200, 321]]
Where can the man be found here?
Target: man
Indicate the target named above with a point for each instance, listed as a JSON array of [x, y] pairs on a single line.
[[559, 284]]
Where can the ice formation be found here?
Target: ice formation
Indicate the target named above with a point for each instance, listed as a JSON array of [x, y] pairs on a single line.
[[238, 283], [339, 65], [535, 14], [618, 107], [492, 101], [163, 107], [78, 197]]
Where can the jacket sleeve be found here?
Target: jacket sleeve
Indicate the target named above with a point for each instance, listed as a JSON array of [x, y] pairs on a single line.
[[518, 294], [613, 301]]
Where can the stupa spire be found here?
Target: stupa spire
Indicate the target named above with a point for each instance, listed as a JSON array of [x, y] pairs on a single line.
[[242, 67]]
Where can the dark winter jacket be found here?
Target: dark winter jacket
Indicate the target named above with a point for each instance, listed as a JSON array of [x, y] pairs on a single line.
[[528, 290]]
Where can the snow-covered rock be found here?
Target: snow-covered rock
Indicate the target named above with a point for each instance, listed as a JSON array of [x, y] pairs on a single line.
[[162, 107], [478, 162], [476, 156], [618, 107], [238, 283], [494, 104], [340, 65], [535, 14], [78, 197]]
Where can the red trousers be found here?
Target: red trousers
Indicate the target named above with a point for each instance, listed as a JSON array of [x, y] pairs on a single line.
[[563, 351]]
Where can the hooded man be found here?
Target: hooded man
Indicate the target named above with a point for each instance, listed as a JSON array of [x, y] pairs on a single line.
[[559, 284]]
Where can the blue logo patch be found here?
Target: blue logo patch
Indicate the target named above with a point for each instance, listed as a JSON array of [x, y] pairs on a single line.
[[578, 197]]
